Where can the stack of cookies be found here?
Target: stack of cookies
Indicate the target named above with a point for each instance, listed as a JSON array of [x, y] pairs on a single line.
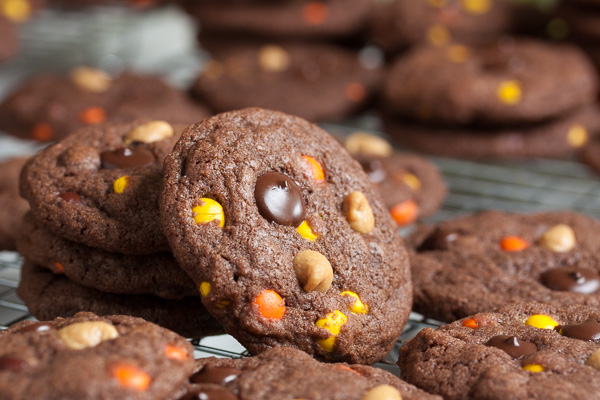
[[93, 240], [298, 57], [518, 98]]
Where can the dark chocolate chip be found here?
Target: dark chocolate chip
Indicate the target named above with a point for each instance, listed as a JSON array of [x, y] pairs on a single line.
[[218, 375], [38, 327], [126, 158], [512, 346], [572, 279], [279, 199], [588, 330]]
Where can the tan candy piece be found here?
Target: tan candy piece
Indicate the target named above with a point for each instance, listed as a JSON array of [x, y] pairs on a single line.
[[87, 334], [313, 271], [91, 79], [273, 59], [368, 145], [559, 238], [359, 213], [594, 360], [150, 132], [382, 392]]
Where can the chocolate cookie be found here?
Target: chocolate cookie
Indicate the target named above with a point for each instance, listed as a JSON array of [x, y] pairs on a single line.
[[411, 186], [156, 274], [48, 295], [522, 351], [50, 107], [517, 82], [559, 137], [479, 262], [13, 206], [591, 154], [323, 19], [91, 357], [287, 373], [397, 24], [282, 232], [8, 39], [100, 186], [316, 82]]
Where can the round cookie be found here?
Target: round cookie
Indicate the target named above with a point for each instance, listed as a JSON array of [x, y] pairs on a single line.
[[156, 274], [556, 138], [50, 107], [13, 206], [516, 82], [489, 259], [287, 373], [285, 237], [411, 186], [9, 44], [100, 186], [91, 357], [316, 82], [48, 295], [291, 20], [517, 352], [397, 24]]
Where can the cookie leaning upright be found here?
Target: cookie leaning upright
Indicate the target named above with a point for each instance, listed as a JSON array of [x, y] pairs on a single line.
[[100, 186], [282, 233]]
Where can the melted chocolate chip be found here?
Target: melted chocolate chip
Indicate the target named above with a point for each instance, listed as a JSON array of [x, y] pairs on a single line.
[[438, 240], [218, 375], [588, 330], [374, 169], [13, 364], [126, 158], [211, 394], [71, 197], [38, 327], [512, 346], [279, 199], [572, 279]]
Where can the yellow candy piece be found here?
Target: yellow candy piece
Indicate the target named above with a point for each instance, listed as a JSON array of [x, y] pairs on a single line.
[[333, 322], [412, 181], [223, 304], [438, 35], [457, 53], [509, 92], [205, 289], [15, 10], [533, 368], [209, 210], [306, 232], [437, 3], [541, 322], [358, 307], [121, 184], [477, 7], [577, 136]]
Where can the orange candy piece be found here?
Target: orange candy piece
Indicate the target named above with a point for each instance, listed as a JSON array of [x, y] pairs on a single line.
[[405, 213], [132, 377], [470, 323], [42, 132], [175, 353], [316, 168], [356, 92], [513, 243], [60, 269], [270, 305], [315, 13], [93, 115]]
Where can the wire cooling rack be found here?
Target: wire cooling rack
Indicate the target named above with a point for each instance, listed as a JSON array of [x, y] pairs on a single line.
[[112, 38]]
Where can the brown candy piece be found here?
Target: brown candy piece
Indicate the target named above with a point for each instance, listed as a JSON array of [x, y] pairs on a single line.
[[71, 197], [13, 364], [373, 167], [216, 375], [588, 330], [512, 346], [211, 394], [38, 327], [279, 199], [571, 279], [126, 158], [438, 240]]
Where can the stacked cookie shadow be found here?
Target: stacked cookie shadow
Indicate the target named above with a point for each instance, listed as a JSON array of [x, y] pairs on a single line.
[[583, 24], [93, 241], [517, 98], [298, 57]]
